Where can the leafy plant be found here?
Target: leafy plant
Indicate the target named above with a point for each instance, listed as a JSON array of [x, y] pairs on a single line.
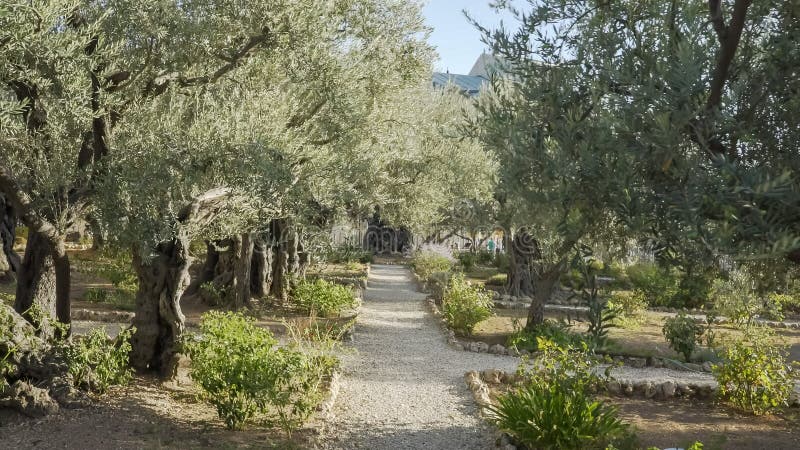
[[97, 362], [348, 253], [119, 299], [243, 373], [468, 260], [464, 305], [426, 263], [213, 294], [554, 409], [557, 332], [754, 374], [499, 279], [683, 334], [437, 283], [323, 298], [658, 286]]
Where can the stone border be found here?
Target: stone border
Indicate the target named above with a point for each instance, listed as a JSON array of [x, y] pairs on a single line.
[[101, 316], [498, 349]]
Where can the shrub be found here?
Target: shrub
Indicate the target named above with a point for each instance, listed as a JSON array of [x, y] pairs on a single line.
[[348, 253], [628, 307], [485, 257], [323, 298], [735, 298], [501, 262], [468, 260], [425, 263], [437, 283], [498, 279], [97, 362], [555, 410], [117, 298], [245, 376], [683, 334], [552, 331], [657, 286], [754, 375], [213, 294], [464, 305]]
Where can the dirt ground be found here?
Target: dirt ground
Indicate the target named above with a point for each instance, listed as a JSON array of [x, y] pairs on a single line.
[[143, 415], [680, 423], [644, 339]]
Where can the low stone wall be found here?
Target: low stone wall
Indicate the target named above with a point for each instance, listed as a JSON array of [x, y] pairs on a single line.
[[102, 316]]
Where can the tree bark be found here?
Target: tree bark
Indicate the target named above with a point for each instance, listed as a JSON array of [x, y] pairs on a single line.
[[36, 279], [521, 250], [9, 260], [261, 268], [544, 287], [242, 250], [207, 273], [159, 321], [280, 265]]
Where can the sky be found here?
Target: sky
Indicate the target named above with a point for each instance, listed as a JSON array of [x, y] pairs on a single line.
[[456, 40]]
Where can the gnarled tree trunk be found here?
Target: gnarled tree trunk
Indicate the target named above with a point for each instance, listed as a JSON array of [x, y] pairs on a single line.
[[159, 321], [521, 250], [544, 285], [36, 279], [261, 268], [242, 250], [9, 260]]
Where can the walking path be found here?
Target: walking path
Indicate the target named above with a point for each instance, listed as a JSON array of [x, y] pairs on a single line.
[[403, 387]]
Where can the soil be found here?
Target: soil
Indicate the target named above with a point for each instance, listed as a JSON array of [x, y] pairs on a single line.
[[145, 414], [680, 423], [641, 339]]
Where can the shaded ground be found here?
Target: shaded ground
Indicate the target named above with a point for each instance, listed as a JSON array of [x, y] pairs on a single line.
[[144, 415]]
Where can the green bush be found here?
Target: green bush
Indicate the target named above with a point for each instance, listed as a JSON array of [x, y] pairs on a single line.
[[485, 257], [499, 279], [464, 305], [683, 334], [658, 286], [468, 260], [554, 409], [557, 332], [97, 362], [735, 298], [323, 298], [437, 283], [754, 374], [245, 376], [119, 299], [627, 304], [347, 253], [501, 262], [426, 263]]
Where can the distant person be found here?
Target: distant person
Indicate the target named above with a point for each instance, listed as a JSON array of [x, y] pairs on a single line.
[[490, 245]]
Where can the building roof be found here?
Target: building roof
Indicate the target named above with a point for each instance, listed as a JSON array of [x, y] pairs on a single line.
[[487, 65], [470, 85]]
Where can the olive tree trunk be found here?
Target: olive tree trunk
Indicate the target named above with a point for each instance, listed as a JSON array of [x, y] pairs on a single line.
[[9, 260], [520, 264], [44, 279], [261, 268], [159, 322], [242, 250]]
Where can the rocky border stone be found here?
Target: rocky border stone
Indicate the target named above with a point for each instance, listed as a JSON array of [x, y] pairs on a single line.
[[102, 316]]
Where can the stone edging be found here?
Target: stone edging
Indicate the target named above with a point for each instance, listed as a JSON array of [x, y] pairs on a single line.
[[101, 316]]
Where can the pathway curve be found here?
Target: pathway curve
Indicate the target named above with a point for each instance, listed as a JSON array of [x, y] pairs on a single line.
[[403, 386]]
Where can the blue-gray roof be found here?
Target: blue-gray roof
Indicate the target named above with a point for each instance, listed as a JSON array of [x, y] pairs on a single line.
[[470, 85]]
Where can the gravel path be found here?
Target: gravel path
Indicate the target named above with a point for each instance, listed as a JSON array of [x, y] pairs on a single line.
[[403, 387]]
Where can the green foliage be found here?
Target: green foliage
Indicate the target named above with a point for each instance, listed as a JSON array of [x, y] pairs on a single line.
[[554, 409], [97, 362], [501, 262], [657, 285], [118, 298], [627, 304], [755, 374], [214, 294], [557, 332], [499, 279], [348, 253], [426, 263], [323, 298], [468, 260], [464, 305], [437, 283], [683, 334], [245, 375], [736, 299]]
